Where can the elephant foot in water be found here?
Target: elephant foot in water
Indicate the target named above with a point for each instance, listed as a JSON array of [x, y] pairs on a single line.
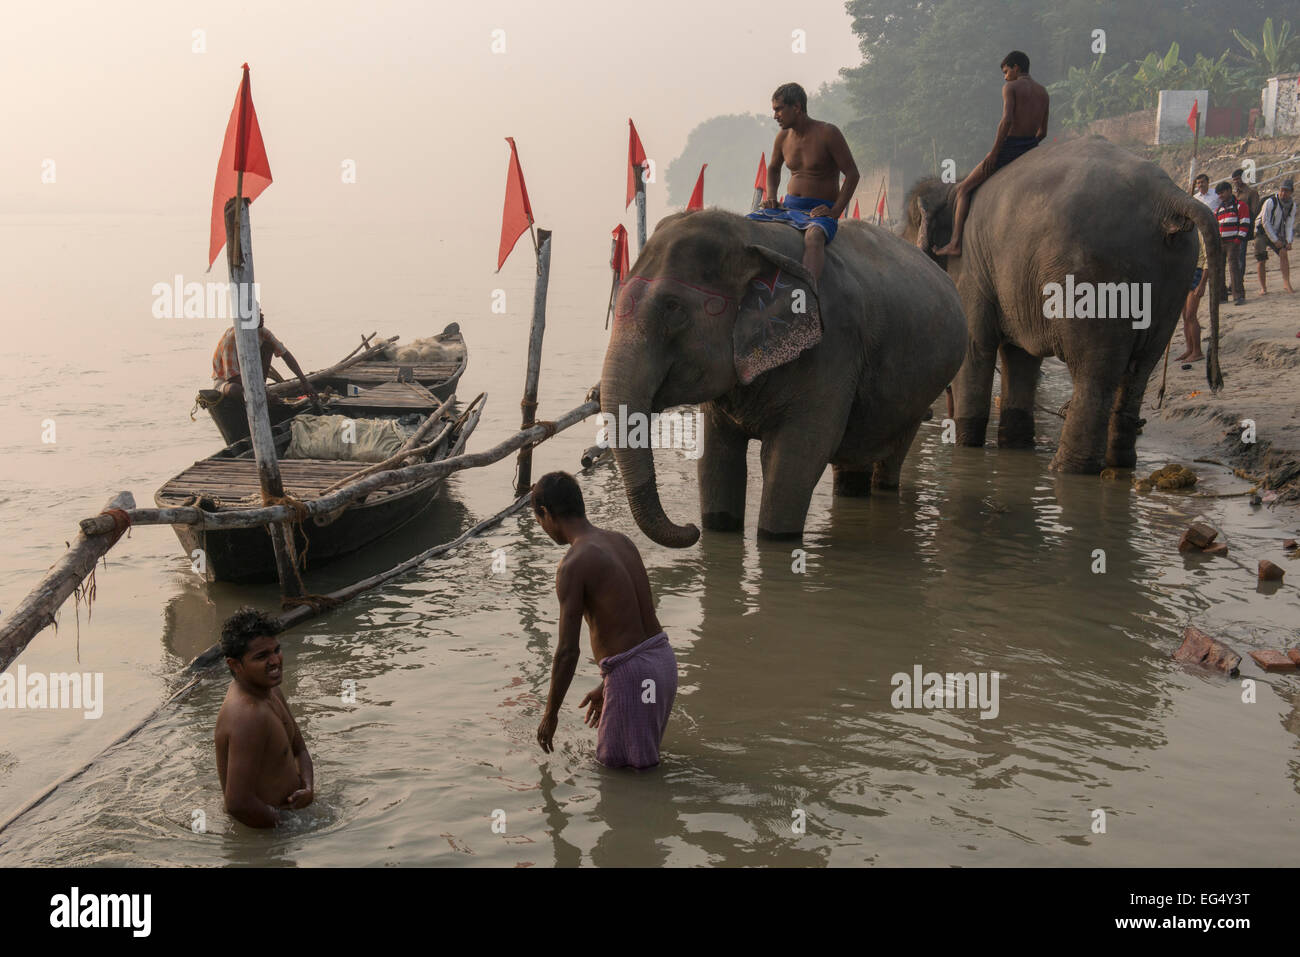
[[1016, 429], [852, 483], [1121, 442], [972, 431], [1064, 461], [765, 536], [722, 522]]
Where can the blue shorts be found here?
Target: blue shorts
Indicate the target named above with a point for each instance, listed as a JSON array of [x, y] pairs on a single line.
[[1196, 277], [794, 211]]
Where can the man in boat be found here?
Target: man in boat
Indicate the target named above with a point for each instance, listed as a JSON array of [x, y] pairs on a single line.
[[601, 578], [817, 154], [1023, 126], [226, 379], [262, 760]]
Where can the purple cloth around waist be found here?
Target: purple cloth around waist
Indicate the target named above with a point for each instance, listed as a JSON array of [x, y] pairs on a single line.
[[640, 685], [794, 210]]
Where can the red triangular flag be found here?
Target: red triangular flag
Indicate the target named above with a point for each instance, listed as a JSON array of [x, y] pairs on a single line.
[[760, 181], [855, 209], [880, 206], [518, 213], [1193, 116], [241, 150], [618, 261], [635, 159], [697, 197]]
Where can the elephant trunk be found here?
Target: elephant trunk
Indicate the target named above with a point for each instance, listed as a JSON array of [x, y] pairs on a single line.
[[1208, 226], [636, 465]]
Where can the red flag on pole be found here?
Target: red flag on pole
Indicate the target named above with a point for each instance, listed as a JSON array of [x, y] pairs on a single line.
[[518, 213], [697, 197], [1193, 116], [881, 206], [241, 151], [635, 159], [760, 181], [618, 261], [855, 210]]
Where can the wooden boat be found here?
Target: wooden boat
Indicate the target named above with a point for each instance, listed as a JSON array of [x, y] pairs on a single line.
[[372, 386], [229, 480]]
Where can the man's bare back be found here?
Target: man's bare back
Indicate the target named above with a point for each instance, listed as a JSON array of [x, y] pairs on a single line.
[[616, 600], [1028, 104]]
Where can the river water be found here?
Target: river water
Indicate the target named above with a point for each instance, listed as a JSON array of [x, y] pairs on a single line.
[[783, 748]]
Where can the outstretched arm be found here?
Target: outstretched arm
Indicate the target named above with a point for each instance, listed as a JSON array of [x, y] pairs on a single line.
[[569, 589]]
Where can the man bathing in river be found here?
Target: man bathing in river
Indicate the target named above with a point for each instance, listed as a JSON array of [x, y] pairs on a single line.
[[262, 760], [817, 154], [1023, 126], [601, 578]]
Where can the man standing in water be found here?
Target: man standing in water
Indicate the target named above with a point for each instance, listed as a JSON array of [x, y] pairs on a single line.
[[262, 760], [817, 154], [1023, 126], [601, 578]]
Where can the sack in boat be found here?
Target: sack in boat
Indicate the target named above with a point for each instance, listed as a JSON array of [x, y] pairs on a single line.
[[327, 437]]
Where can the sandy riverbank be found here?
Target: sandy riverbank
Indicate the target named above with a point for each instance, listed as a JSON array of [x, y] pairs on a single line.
[[1261, 382]]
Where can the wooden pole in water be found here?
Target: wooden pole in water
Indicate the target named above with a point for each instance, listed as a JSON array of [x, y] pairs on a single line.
[[640, 211], [36, 612], [248, 345], [529, 403]]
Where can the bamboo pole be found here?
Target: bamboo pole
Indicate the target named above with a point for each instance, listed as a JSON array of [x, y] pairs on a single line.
[[249, 518], [640, 211], [293, 386], [36, 612], [535, 332], [248, 345]]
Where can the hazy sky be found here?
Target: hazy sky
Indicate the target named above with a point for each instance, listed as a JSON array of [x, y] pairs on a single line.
[[412, 92]]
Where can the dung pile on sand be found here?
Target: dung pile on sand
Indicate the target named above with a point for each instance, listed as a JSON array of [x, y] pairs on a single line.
[[1167, 479]]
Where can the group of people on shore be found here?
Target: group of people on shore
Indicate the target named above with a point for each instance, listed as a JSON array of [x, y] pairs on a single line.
[[1242, 217]]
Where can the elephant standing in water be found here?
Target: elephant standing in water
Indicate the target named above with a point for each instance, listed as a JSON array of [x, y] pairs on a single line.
[[1080, 251], [718, 310]]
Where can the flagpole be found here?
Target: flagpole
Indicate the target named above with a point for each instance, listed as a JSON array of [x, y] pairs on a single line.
[[1196, 139], [238, 258], [613, 286]]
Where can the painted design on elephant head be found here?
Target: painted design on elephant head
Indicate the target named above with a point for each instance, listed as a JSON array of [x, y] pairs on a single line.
[[637, 288], [779, 317]]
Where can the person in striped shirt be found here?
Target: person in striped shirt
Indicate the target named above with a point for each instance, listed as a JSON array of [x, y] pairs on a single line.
[[226, 379], [1234, 223]]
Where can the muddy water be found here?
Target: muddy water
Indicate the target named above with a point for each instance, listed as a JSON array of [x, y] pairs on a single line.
[[984, 562]]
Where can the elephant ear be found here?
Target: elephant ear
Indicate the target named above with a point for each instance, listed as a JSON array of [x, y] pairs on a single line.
[[779, 316]]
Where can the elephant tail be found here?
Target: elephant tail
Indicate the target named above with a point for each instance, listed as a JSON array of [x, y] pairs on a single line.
[[1189, 208]]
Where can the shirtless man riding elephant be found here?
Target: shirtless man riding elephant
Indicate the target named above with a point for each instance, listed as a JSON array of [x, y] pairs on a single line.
[[817, 154], [1023, 126]]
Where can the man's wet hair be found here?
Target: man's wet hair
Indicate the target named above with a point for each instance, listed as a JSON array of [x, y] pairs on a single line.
[[242, 628], [559, 493], [792, 94], [1016, 58]]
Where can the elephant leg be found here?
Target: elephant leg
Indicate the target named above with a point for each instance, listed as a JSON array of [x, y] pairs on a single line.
[[973, 386], [852, 483], [1083, 437], [793, 462], [1019, 387], [721, 472], [886, 471], [1121, 442]]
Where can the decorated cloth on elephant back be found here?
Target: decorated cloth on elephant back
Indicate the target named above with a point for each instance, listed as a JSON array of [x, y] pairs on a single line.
[[794, 211]]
